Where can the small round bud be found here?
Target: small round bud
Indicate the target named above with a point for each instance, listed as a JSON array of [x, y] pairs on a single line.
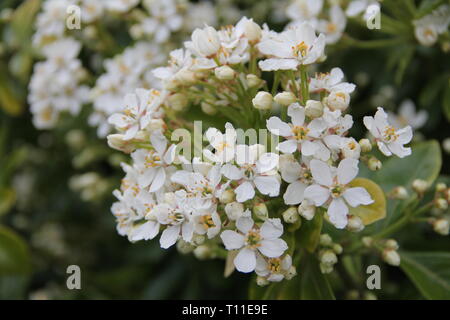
[[306, 210], [374, 164], [355, 224], [337, 100], [441, 204], [325, 240], [285, 98], [263, 100], [116, 141], [446, 145], [185, 77], [208, 109], [252, 31], [399, 193], [202, 252], [391, 244], [391, 256], [292, 272], [337, 248], [365, 145], [234, 210], [313, 109], [198, 239], [367, 241], [261, 281], [328, 257], [291, 215], [441, 187], [325, 268], [420, 186], [178, 101], [224, 73], [260, 211], [184, 247], [253, 81], [227, 196], [441, 226]]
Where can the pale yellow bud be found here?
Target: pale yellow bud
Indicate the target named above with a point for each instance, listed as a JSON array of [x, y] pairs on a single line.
[[374, 164], [260, 211], [202, 252], [252, 31], [441, 226], [263, 100], [420, 186], [365, 145], [391, 256], [391, 244], [441, 187], [253, 81], [291, 215], [355, 224], [227, 196], [325, 240], [285, 98], [261, 281], [117, 142], [337, 248], [399, 193], [178, 101], [224, 73], [441, 204], [313, 109], [292, 272]]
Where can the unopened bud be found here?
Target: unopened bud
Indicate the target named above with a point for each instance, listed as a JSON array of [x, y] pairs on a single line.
[[399, 193], [391, 244], [441, 187], [227, 196], [252, 31], [208, 109], [253, 81], [234, 210], [261, 281], [306, 210], [374, 164], [224, 73], [202, 252], [441, 204], [285, 98], [184, 247], [326, 268], [365, 145], [178, 101], [367, 241], [420, 186], [355, 224], [185, 77], [292, 272], [337, 100], [198, 239], [263, 100], [337, 248], [441, 226], [391, 256], [328, 257], [446, 145], [325, 240], [313, 109], [117, 142], [291, 215], [260, 211]]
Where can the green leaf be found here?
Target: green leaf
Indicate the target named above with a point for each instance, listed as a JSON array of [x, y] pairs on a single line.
[[429, 271], [14, 254], [7, 199], [310, 232], [375, 211], [313, 284], [446, 102]]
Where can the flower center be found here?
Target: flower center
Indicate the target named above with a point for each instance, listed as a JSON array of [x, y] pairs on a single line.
[[301, 49], [152, 160], [389, 134], [176, 218], [253, 238], [300, 132], [207, 221], [274, 265], [331, 27], [337, 190]]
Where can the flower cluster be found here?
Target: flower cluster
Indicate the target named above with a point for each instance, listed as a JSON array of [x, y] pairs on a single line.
[[428, 28], [232, 197]]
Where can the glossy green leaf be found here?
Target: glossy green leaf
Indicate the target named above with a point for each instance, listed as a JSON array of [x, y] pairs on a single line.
[[14, 254], [429, 271]]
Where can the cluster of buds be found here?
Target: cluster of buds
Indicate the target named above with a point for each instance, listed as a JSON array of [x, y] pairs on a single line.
[[328, 253], [389, 252]]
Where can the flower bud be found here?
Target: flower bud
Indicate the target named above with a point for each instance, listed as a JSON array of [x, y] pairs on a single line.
[[337, 100], [75, 138], [391, 244], [184, 247], [441, 204], [441, 187], [202, 252], [328, 257], [290, 215], [208, 109], [292, 272], [261, 281], [185, 77], [252, 31], [313, 109], [446, 145], [420, 186], [253, 81], [263, 100], [285, 98], [227, 196], [374, 164], [367, 241], [441, 226], [198, 239], [355, 224], [391, 256], [365, 145], [234, 210], [399, 193], [260, 211], [325, 268], [325, 240], [117, 142], [306, 210], [224, 73], [337, 248], [178, 101]]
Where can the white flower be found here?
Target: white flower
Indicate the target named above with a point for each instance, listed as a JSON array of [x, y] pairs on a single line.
[[255, 169], [428, 28], [163, 19], [273, 269], [337, 100], [332, 189], [356, 7], [407, 115], [300, 135], [304, 10], [251, 241], [121, 5], [291, 48], [334, 28], [389, 140], [139, 110], [204, 42], [152, 164], [223, 143], [298, 175], [207, 222], [178, 69], [331, 81]]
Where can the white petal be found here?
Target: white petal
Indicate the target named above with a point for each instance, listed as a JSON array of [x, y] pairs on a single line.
[[278, 127], [384, 149], [232, 172], [297, 114], [273, 248], [278, 64], [357, 196], [294, 193], [245, 260], [321, 172], [347, 170], [187, 231], [244, 192], [309, 148], [159, 142], [145, 231], [398, 149], [232, 240], [404, 135], [244, 224], [267, 162], [317, 194], [169, 236], [288, 146], [337, 211], [271, 229], [159, 180], [268, 185]]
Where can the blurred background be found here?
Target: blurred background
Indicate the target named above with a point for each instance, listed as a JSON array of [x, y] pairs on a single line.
[[56, 185]]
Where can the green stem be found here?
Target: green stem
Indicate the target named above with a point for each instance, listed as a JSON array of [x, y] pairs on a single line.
[[304, 84]]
